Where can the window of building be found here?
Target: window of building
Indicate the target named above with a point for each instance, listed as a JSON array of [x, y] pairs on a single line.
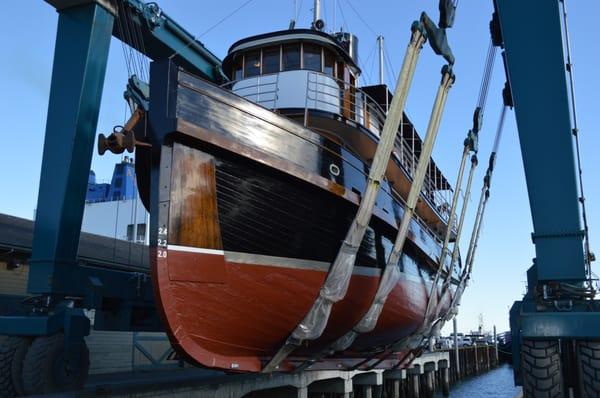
[[312, 57], [291, 57], [238, 68], [271, 60], [140, 232], [252, 64], [329, 62]]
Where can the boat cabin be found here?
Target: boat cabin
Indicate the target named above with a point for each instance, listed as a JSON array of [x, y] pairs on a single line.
[[313, 77]]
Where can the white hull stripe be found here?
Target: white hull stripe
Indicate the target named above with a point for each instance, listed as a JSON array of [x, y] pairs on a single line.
[[287, 262], [195, 250], [272, 261]]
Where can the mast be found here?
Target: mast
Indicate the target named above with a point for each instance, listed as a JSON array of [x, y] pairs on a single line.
[[380, 42], [318, 23]]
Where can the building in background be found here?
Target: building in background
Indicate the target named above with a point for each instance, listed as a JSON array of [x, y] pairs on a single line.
[[115, 209]]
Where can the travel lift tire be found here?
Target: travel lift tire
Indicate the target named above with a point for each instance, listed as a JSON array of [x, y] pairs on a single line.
[[46, 369], [541, 369], [589, 368], [12, 353]]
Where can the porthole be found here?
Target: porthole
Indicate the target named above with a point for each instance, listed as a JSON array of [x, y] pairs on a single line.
[[334, 170]]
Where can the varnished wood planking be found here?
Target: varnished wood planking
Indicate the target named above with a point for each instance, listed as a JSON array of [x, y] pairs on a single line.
[[193, 215]]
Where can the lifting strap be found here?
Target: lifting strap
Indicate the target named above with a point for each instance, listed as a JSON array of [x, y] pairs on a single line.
[[336, 284], [391, 272], [431, 318]]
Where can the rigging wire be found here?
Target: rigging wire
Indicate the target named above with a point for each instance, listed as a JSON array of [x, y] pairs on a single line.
[[345, 22], [244, 4], [371, 68], [297, 14], [197, 38], [361, 18], [366, 62], [389, 61], [334, 12], [390, 67]]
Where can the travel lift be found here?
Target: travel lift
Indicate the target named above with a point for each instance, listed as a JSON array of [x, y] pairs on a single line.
[[556, 327], [47, 351]]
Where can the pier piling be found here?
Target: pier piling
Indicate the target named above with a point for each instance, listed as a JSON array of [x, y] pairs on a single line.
[[415, 375]]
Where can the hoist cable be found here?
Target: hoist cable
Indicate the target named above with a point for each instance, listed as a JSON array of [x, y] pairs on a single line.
[[129, 39], [469, 146], [487, 75], [123, 45], [141, 50], [485, 194]]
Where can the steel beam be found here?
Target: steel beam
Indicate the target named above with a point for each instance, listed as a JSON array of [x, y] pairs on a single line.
[[80, 58], [532, 35]]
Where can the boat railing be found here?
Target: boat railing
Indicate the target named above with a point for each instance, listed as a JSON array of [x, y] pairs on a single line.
[[325, 93], [264, 90], [356, 105]]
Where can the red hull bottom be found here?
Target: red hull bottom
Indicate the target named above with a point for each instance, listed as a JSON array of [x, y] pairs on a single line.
[[233, 310]]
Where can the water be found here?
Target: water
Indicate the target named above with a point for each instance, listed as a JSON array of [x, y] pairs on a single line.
[[497, 383]]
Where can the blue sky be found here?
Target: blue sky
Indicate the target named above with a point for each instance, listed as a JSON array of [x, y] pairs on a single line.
[[27, 38]]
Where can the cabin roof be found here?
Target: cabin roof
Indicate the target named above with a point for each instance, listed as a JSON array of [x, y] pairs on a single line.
[[290, 36]]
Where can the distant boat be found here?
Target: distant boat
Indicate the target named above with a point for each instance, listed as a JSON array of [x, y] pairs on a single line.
[[505, 347], [258, 181]]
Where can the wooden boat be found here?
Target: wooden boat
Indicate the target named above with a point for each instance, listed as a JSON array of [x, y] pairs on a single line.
[[255, 186]]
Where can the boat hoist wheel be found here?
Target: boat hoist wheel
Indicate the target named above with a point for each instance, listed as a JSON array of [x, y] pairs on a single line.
[[46, 368], [12, 353], [589, 368], [541, 369]]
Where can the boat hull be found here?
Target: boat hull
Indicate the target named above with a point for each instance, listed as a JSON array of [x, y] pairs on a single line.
[[240, 322], [248, 224]]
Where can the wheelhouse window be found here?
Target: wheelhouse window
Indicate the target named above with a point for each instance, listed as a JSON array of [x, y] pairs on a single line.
[[312, 57], [288, 57], [252, 64], [291, 57], [271, 57], [238, 68], [329, 62]]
